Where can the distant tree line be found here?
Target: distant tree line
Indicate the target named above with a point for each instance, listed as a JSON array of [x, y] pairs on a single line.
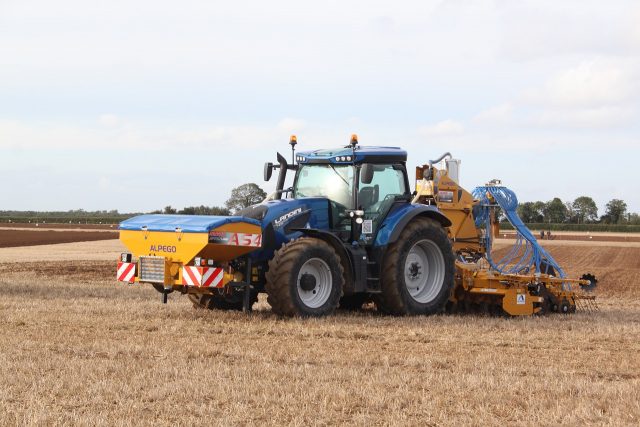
[[71, 216], [242, 196], [582, 210], [74, 213]]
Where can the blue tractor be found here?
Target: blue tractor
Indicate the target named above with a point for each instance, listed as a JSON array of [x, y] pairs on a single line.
[[343, 234]]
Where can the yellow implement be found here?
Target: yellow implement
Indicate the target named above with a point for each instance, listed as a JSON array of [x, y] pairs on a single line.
[[478, 286], [193, 255]]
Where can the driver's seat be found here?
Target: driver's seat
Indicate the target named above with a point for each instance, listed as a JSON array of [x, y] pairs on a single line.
[[368, 196]]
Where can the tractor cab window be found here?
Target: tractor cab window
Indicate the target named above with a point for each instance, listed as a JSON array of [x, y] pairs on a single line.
[[377, 197], [334, 182]]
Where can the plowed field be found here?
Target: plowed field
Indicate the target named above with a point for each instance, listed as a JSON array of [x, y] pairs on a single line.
[[78, 348], [21, 237]]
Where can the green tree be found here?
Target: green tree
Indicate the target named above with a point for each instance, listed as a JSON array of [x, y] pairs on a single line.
[[219, 211], [555, 211], [189, 210], [634, 219], [539, 209], [244, 196], [616, 209], [529, 212], [169, 210], [585, 209], [205, 210], [572, 214]]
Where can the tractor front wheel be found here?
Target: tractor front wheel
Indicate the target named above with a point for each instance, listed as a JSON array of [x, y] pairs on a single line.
[[418, 270], [305, 278]]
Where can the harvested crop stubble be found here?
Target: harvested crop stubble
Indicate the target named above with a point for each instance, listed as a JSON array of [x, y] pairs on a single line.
[[98, 250], [78, 348]]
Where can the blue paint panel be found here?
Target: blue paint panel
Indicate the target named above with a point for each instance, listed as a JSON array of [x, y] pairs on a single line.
[[398, 214], [274, 236], [391, 221], [188, 223], [361, 154]]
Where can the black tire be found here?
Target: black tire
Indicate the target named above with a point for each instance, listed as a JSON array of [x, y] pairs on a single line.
[[546, 306], [221, 302], [395, 297], [353, 302], [289, 273], [546, 268]]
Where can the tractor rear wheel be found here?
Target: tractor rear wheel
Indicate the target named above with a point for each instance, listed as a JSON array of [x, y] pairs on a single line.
[[305, 278], [418, 270]]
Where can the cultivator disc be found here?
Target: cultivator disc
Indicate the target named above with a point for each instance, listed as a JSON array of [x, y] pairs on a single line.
[[593, 282]]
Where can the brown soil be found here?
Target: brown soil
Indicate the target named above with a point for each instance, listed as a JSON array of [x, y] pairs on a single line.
[[616, 268], [13, 238], [596, 237], [66, 226]]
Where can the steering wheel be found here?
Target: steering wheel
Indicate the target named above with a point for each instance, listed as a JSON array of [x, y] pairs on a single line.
[[341, 214], [377, 207], [309, 191]]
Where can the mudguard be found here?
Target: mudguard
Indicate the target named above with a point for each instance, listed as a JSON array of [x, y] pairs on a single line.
[[400, 216]]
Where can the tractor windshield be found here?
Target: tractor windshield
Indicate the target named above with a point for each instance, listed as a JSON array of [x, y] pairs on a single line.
[[334, 182]]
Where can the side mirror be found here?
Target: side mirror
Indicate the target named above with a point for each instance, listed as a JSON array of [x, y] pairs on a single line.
[[366, 173], [268, 170]]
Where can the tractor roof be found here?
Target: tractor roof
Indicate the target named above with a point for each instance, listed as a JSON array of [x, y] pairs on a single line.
[[359, 155]]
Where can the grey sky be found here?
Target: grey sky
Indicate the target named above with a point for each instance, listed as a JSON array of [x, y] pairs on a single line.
[[136, 105]]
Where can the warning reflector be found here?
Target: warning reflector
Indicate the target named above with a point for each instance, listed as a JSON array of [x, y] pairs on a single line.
[[126, 272], [203, 277]]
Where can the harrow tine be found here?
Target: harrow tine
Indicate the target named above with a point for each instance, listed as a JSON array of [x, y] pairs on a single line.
[[587, 304]]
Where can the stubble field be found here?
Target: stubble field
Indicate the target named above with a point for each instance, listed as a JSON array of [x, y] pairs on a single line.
[[76, 347]]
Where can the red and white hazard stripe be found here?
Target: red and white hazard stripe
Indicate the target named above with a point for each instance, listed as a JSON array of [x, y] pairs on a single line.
[[212, 277], [126, 272], [204, 277]]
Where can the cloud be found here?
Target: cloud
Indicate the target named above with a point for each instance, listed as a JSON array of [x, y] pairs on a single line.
[[499, 114], [291, 125], [108, 120], [535, 29], [104, 183], [445, 127], [601, 117], [634, 33], [134, 136], [590, 84]]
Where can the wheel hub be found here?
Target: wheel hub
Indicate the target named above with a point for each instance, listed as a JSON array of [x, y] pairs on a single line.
[[314, 283], [414, 270], [307, 282], [424, 271]]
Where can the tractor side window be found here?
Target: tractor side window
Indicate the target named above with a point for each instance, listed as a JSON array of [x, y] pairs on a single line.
[[387, 183], [376, 198]]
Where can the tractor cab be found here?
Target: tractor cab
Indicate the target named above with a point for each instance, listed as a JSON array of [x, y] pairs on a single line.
[[360, 183]]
